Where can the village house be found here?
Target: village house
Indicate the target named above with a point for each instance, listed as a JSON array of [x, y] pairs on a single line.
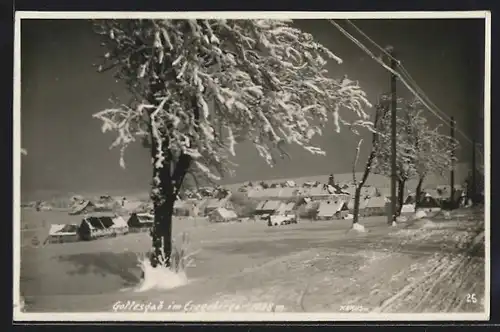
[[332, 209], [222, 215]]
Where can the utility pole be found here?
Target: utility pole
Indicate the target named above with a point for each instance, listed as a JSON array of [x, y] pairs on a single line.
[[452, 156], [393, 138]]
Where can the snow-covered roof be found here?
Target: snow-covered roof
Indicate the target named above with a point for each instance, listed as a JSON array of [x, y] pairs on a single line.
[[283, 208], [432, 192], [145, 217], [289, 206], [133, 205], [271, 205], [328, 209], [179, 204], [100, 214], [225, 213], [318, 192], [376, 202], [99, 221], [362, 203], [447, 187], [369, 191], [119, 222], [264, 193], [288, 192], [214, 203], [80, 206], [63, 229], [260, 205], [351, 190]]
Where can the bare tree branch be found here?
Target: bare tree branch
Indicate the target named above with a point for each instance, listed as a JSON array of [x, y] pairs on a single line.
[[355, 163]]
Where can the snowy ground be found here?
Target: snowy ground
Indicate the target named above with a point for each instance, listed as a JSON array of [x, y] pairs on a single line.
[[424, 266]]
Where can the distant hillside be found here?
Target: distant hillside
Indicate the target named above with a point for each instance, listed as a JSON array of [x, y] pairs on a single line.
[[61, 195], [373, 180]]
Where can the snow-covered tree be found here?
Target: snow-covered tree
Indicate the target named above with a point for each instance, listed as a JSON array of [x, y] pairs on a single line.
[[201, 86], [406, 155], [433, 152], [420, 149]]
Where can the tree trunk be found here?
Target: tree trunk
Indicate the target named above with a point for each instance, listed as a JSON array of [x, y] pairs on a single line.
[[163, 207], [357, 193], [164, 201], [401, 197], [418, 191], [165, 192], [162, 232], [357, 197], [366, 172]]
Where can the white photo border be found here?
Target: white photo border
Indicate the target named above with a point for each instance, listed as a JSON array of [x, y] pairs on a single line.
[[19, 316]]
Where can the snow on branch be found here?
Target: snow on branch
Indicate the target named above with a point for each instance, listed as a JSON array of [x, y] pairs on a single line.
[[264, 81], [420, 149]]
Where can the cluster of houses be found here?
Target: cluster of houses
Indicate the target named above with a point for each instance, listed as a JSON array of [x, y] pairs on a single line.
[[104, 215], [315, 202], [99, 225]]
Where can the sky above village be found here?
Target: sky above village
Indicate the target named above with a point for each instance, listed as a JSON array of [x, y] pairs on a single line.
[[61, 89]]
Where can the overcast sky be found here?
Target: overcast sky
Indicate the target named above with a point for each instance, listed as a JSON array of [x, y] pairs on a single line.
[[60, 91]]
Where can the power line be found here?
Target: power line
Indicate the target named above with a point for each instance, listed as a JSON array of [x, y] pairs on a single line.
[[374, 43], [417, 87], [403, 70], [405, 73], [367, 51], [408, 77], [436, 108]]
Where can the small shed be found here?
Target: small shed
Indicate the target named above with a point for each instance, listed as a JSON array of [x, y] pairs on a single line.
[[63, 233], [96, 226], [214, 203], [332, 209], [138, 222], [376, 206], [102, 225], [363, 202], [267, 207], [222, 215], [408, 209], [286, 208]]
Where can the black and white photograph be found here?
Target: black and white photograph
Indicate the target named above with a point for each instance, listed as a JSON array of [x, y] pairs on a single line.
[[251, 166]]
